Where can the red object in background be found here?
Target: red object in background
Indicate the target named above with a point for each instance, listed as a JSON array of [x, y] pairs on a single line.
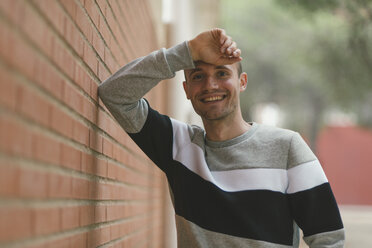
[[346, 156]]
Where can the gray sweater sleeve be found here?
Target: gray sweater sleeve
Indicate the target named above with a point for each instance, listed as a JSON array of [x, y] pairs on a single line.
[[123, 91]]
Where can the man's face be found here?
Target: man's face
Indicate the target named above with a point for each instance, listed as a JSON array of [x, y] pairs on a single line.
[[214, 90]]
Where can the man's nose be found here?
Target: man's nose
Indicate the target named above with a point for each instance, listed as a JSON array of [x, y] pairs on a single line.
[[211, 83]]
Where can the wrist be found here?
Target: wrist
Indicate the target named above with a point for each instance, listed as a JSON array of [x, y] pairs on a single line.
[[193, 51]]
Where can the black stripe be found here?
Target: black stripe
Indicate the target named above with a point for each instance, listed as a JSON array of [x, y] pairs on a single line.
[[254, 214], [155, 139], [315, 210]]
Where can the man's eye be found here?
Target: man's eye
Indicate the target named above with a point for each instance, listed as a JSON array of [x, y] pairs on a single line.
[[221, 74], [197, 77]]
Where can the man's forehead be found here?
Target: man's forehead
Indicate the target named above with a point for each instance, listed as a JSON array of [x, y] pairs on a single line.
[[200, 65]]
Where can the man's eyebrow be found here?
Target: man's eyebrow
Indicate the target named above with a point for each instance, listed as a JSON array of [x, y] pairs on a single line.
[[195, 70], [223, 67]]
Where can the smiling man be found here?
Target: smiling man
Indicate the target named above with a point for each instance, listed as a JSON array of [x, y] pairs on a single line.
[[233, 183]]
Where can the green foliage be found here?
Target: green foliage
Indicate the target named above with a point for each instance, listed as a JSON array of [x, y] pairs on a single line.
[[309, 57]]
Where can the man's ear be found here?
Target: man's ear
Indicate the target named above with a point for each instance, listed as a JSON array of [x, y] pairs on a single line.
[[185, 89], [243, 80]]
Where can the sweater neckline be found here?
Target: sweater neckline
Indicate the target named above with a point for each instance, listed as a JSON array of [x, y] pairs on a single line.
[[233, 141]]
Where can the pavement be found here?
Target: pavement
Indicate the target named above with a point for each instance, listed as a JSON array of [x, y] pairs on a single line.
[[358, 226]]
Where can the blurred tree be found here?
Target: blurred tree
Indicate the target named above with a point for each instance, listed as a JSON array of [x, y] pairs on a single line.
[[303, 56]]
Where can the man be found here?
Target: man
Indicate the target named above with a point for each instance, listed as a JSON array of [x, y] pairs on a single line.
[[233, 184]]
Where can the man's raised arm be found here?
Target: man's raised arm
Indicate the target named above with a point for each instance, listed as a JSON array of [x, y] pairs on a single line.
[[122, 92]]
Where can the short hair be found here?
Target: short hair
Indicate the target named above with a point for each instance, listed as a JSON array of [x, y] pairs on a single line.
[[239, 68]]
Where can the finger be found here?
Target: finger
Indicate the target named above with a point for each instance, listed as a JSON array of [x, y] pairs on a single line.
[[237, 53], [219, 34], [231, 60], [226, 44], [222, 34], [231, 48]]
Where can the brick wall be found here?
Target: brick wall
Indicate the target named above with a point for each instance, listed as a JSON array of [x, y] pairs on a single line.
[[345, 153], [69, 175]]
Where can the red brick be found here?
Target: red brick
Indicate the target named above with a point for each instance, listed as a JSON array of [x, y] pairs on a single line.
[[46, 149], [103, 121], [8, 90], [33, 106], [95, 141], [32, 183], [90, 58], [105, 234], [46, 220], [110, 61], [87, 163], [78, 240], [82, 79], [69, 217], [80, 188], [89, 111], [92, 10], [60, 121], [9, 178], [36, 30], [80, 133], [53, 12], [112, 171], [70, 157], [86, 215], [13, 9], [48, 78], [17, 53], [72, 97], [39, 245], [70, 7], [59, 186], [114, 232], [115, 212], [94, 91], [62, 57], [74, 38], [60, 243], [15, 139], [83, 22], [100, 213], [107, 147], [103, 6], [102, 191], [103, 73], [101, 167], [15, 223], [98, 236], [98, 45]]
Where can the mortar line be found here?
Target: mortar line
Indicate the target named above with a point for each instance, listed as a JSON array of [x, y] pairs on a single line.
[[36, 240], [26, 82], [110, 30], [27, 163]]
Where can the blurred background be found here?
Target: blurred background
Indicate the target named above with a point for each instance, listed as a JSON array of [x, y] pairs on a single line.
[[70, 177]]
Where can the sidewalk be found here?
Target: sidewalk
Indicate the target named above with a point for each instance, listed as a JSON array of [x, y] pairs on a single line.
[[358, 226]]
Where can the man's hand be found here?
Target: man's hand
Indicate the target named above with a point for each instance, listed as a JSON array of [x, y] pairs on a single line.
[[214, 47]]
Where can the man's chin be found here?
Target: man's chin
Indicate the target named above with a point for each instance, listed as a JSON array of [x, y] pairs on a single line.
[[213, 116]]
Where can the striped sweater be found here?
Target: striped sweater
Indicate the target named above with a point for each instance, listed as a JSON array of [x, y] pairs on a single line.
[[251, 191]]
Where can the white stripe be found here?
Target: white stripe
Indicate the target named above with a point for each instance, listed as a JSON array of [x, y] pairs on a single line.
[[301, 177], [305, 176], [192, 157], [252, 179], [188, 153]]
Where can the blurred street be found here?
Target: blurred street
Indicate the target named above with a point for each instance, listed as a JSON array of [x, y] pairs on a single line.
[[358, 225]]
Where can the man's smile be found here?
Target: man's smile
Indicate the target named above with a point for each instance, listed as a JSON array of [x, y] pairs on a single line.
[[213, 98]]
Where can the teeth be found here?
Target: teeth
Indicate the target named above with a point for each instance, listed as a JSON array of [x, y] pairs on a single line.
[[213, 98]]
